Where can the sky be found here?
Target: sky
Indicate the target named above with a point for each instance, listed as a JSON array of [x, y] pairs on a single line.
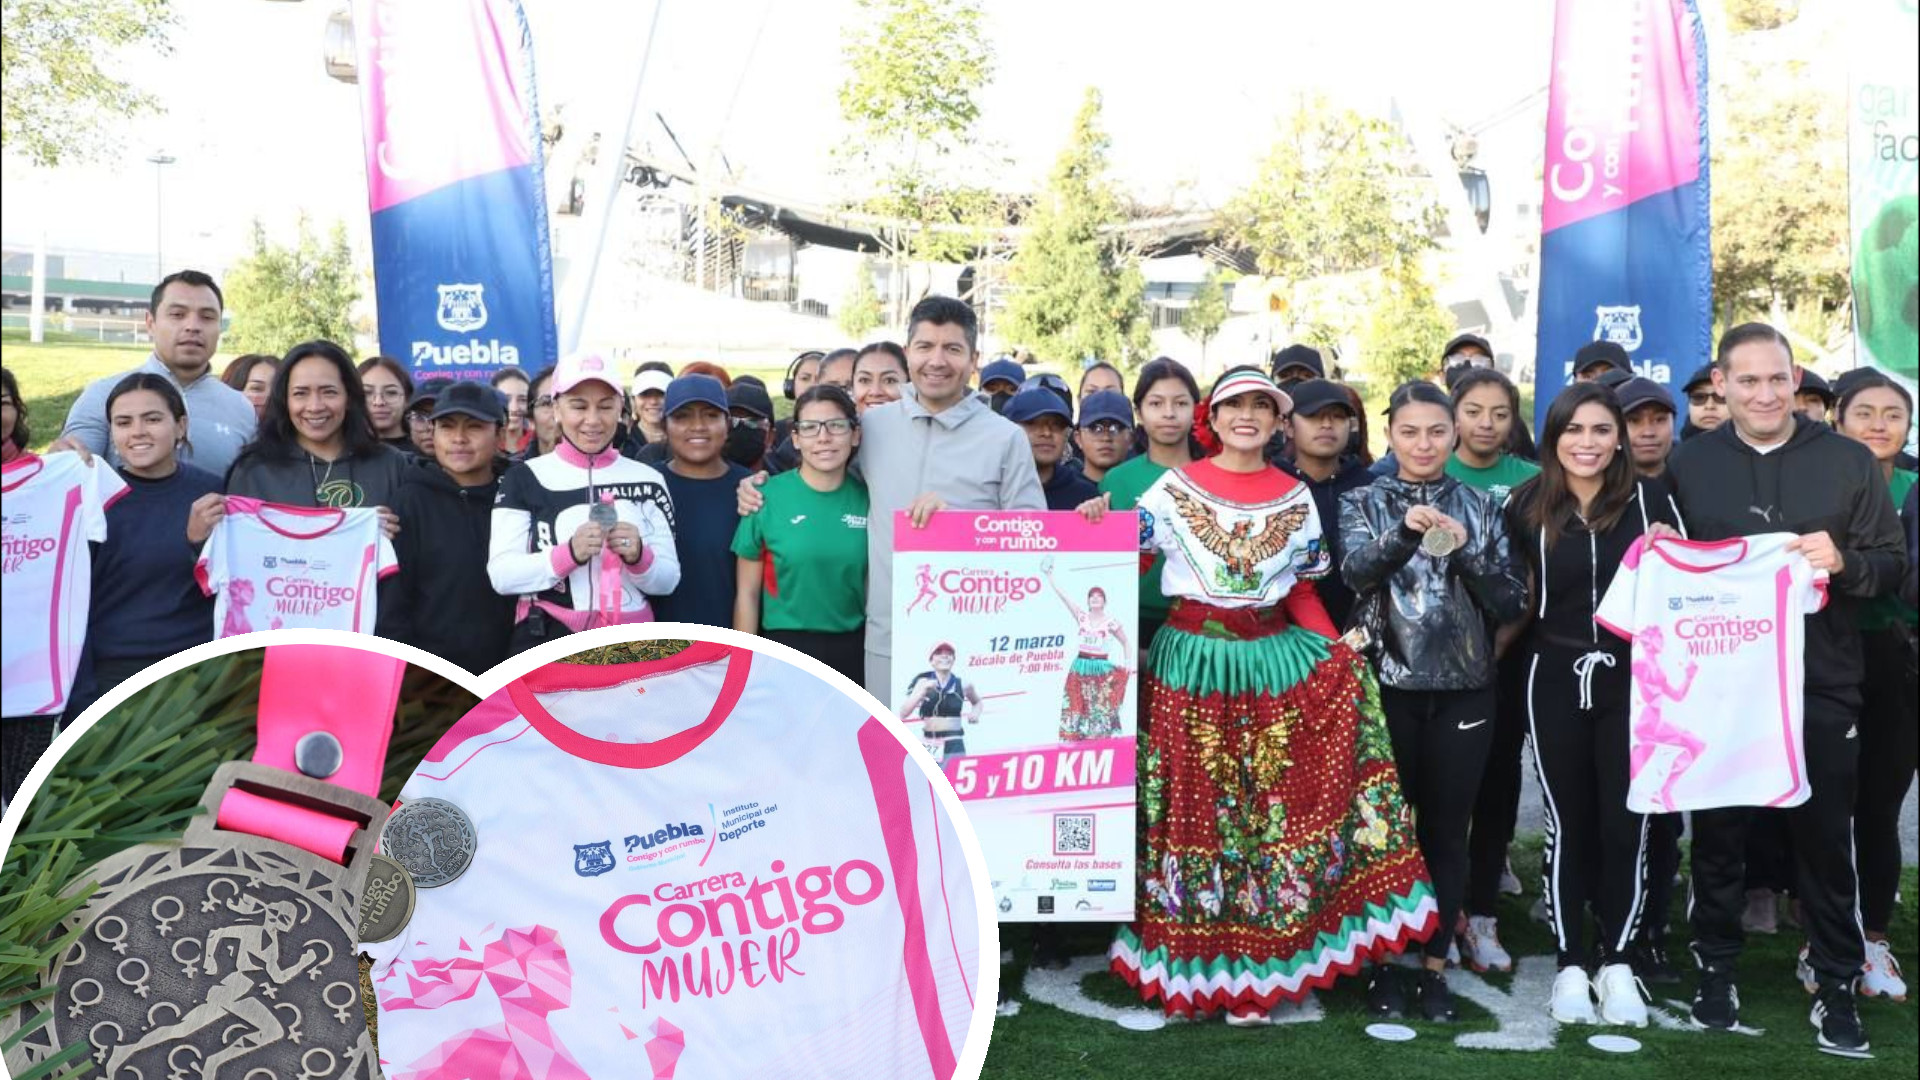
[[1192, 94]]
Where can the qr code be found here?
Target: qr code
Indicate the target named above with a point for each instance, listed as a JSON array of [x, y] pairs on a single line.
[[1073, 834]]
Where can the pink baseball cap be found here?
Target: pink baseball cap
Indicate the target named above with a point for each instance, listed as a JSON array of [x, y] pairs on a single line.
[[583, 367]]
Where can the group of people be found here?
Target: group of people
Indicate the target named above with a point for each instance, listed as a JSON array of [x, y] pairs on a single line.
[[1346, 658]]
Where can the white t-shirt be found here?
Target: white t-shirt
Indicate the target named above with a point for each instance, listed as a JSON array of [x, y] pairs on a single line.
[[53, 506], [1719, 633], [270, 566], [714, 863]]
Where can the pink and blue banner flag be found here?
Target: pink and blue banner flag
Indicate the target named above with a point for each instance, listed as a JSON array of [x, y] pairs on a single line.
[[1625, 249], [462, 263]]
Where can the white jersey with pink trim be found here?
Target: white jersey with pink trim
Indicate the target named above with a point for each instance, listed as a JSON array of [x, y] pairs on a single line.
[[1719, 633], [713, 865], [53, 506], [270, 566]]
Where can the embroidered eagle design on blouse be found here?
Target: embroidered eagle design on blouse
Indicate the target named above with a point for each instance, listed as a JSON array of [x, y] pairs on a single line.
[[1239, 547]]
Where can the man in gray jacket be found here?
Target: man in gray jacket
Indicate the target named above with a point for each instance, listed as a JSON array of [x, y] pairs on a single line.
[[937, 448], [183, 320]]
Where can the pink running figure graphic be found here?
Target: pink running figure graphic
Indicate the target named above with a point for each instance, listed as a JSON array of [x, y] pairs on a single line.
[[239, 595], [527, 970], [924, 579], [1662, 752]]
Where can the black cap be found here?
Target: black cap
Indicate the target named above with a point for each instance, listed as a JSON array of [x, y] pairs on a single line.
[[1302, 356], [1844, 381], [1466, 339], [1812, 383], [1314, 396], [1704, 375], [750, 395], [1638, 391], [475, 399], [1613, 377], [1602, 352], [426, 391]]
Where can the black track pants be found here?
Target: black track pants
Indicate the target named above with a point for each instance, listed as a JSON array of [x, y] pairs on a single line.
[[1889, 740], [1498, 803], [1596, 849], [1440, 741]]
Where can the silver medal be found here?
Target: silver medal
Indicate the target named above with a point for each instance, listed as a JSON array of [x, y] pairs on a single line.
[[386, 904], [1439, 542], [224, 955], [432, 838]]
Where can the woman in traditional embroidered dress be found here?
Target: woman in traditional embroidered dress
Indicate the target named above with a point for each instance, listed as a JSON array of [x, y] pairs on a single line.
[[1096, 686], [1276, 853]]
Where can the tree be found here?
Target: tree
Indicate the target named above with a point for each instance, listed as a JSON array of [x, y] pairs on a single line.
[[1780, 232], [861, 310], [281, 296], [1207, 311], [914, 70], [1406, 329], [1334, 194], [60, 104], [1077, 293]]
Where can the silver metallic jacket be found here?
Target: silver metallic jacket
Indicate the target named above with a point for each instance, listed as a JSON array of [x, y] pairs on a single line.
[[1434, 617]]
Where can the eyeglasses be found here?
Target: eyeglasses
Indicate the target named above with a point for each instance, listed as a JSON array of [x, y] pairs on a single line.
[[387, 393], [1701, 397], [1045, 382], [811, 429], [420, 418], [1106, 429], [748, 421], [1468, 360], [544, 401]]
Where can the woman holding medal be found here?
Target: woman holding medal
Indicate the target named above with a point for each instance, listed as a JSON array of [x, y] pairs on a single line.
[[1276, 850], [582, 536], [1432, 572], [942, 701]]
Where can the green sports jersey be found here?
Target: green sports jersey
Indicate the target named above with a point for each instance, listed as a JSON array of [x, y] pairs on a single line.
[[1500, 480], [813, 551], [1886, 609], [1126, 482]]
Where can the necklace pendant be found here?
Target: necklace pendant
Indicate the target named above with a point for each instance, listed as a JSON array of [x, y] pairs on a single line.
[[221, 955]]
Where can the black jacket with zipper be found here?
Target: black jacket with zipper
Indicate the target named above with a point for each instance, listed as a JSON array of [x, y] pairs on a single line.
[[1569, 578], [1439, 613], [1351, 473], [441, 599], [1818, 481]]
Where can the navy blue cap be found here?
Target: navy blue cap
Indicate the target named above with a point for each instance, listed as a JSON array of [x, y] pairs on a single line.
[[1106, 405], [1812, 383], [1639, 391], [1004, 369], [1613, 377], [1601, 352], [425, 391], [475, 399], [688, 389], [1703, 375], [1033, 404]]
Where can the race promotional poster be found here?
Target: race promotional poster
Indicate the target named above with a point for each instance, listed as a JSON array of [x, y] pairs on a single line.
[[1014, 652]]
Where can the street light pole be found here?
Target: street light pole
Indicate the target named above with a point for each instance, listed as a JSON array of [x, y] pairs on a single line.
[[160, 159]]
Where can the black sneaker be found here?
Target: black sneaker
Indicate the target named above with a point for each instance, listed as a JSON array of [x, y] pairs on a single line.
[[1047, 953], [1386, 997], [1655, 968], [1716, 1004], [1436, 1001], [1838, 1022]]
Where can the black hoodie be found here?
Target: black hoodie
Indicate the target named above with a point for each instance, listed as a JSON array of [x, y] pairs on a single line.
[[1819, 481], [1351, 473], [441, 600]]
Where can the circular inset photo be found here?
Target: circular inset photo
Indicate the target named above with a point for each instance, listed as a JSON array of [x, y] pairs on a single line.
[[189, 867], [704, 859]]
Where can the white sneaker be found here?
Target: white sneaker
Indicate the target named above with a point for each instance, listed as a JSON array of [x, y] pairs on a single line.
[[1453, 951], [1572, 998], [1484, 951], [1510, 881], [1803, 970], [1763, 913], [1621, 1000], [1881, 976]]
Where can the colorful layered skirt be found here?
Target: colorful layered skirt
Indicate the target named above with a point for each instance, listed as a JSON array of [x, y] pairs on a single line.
[[1096, 689], [1277, 852]]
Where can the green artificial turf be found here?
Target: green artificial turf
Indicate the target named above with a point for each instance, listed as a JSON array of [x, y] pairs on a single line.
[[1047, 1043]]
